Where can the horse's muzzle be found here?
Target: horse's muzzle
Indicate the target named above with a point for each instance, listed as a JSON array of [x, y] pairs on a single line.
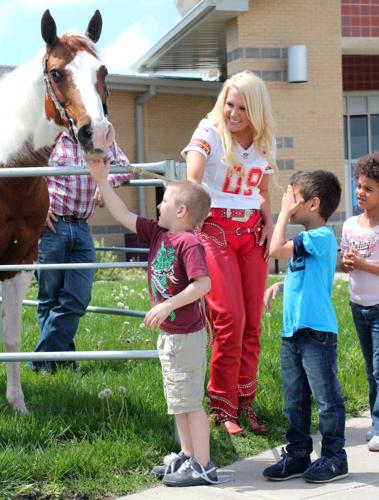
[[95, 139]]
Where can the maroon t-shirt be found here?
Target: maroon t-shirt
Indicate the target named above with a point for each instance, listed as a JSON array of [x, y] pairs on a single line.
[[175, 259]]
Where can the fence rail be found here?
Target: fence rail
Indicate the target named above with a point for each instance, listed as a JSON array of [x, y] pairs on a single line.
[[77, 355], [170, 169]]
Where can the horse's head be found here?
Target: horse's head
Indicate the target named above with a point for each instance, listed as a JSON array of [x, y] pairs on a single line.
[[76, 94]]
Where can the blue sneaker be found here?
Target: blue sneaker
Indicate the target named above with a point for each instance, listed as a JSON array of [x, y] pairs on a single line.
[[325, 470], [288, 467]]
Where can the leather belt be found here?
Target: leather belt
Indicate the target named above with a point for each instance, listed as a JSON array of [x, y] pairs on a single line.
[[239, 214], [71, 219]]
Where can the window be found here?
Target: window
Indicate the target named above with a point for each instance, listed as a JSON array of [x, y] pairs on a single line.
[[361, 137], [358, 136]]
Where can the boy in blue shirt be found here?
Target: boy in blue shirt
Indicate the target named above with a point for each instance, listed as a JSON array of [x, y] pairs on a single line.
[[309, 334]]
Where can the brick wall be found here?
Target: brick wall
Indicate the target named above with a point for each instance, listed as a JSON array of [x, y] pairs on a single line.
[[309, 113], [169, 121]]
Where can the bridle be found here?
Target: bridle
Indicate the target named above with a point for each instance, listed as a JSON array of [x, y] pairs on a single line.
[[61, 110]]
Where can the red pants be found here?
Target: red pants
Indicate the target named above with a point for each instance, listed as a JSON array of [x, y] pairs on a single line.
[[238, 272]]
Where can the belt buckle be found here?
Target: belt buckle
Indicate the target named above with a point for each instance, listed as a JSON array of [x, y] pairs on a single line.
[[245, 217]]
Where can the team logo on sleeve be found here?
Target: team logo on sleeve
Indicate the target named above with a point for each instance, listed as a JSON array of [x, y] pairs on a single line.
[[204, 145]]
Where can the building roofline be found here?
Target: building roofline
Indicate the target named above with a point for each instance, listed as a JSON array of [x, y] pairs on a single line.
[[181, 48]]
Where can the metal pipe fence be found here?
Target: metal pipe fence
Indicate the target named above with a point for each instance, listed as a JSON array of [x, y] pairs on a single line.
[[167, 168]]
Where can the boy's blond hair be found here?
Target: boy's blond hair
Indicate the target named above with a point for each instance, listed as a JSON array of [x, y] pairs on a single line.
[[194, 197]]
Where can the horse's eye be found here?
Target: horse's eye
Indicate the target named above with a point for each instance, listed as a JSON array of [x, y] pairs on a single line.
[[56, 76]]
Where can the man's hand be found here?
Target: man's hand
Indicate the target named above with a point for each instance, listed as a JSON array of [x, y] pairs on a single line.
[[50, 218], [158, 314]]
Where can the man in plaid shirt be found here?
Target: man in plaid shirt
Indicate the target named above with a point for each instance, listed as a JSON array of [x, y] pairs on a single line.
[[63, 295]]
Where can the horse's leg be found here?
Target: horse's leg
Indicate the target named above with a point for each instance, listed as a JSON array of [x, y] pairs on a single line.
[[14, 290]]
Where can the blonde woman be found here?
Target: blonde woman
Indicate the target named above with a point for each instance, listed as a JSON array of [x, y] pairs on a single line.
[[231, 154]]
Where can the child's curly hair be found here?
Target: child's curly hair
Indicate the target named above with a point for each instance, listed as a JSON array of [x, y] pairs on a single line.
[[368, 166]]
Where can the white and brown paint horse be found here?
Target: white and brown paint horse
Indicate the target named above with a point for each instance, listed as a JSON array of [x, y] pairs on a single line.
[[61, 88]]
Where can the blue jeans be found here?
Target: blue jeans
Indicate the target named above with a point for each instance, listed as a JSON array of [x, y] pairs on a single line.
[[309, 366], [63, 295], [366, 319]]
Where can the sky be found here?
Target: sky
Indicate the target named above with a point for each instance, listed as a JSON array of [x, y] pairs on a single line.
[[130, 27]]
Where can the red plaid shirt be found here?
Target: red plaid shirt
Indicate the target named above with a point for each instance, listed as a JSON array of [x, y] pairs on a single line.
[[74, 194]]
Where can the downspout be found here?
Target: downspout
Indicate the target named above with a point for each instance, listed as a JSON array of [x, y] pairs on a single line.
[[140, 141]]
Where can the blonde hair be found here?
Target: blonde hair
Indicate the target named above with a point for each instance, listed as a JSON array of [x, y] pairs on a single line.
[[258, 108], [194, 197]]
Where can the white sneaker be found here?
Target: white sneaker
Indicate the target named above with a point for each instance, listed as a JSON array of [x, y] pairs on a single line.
[[373, 444], [370, 434]]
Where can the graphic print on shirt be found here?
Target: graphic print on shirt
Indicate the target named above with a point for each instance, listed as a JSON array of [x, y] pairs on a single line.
[[296, 264], [236, 180], [365, 244], [162, 273]]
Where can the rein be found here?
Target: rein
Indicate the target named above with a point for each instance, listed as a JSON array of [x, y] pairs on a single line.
[[58, 106]]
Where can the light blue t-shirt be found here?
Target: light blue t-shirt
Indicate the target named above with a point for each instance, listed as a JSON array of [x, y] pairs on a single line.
[[308, 283]]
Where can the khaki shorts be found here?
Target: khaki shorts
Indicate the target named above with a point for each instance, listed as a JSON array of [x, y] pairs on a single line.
[[183, 361]]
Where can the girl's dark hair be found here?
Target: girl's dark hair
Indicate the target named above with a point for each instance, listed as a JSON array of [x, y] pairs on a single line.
[[368, 166], [321, 184]]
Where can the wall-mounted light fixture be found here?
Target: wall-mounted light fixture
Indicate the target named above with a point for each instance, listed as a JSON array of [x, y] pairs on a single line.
[[297, 64]]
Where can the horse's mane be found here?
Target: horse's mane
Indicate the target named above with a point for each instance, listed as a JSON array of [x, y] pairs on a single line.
[[75, 43], [22, 95]]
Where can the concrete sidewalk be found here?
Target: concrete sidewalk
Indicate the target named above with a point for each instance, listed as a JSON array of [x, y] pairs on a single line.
[[246, 479]]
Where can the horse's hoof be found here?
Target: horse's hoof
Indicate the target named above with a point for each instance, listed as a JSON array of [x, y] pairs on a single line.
[[19, 407]]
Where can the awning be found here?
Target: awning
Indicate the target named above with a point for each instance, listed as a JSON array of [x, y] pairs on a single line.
[[197, 43]]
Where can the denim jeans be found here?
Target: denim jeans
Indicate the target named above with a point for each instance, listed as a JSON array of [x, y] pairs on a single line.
[[63, 295], [309, 366], [366, 319]]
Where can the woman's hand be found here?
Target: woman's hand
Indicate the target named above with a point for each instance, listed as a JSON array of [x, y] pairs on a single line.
[[265, 239]]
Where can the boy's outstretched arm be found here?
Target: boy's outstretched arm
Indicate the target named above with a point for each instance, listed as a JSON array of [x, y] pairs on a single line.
[[99, 171], [193, 292], [280, 247]]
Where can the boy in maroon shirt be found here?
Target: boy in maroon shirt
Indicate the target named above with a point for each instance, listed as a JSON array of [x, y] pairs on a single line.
[[178, 277]]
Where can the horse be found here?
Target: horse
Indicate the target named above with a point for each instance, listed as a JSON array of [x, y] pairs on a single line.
[[63, 87]]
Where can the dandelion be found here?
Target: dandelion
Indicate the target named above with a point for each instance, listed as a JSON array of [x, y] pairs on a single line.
[[101, 395], [124, 406], [268, 315], [100, 343], [338, 286], [126, 323], [120, 305], [141, 325]]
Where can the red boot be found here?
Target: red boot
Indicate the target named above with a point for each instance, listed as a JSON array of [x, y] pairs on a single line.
[[252, 420], [228, 424]]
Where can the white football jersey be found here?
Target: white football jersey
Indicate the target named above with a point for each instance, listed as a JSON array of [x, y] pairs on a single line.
[[234, 186]]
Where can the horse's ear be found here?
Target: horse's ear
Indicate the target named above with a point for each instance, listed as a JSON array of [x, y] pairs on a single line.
[[94, 27], [48, 28]]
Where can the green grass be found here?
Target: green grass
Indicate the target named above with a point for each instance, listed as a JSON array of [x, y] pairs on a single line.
[[76, 445]]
